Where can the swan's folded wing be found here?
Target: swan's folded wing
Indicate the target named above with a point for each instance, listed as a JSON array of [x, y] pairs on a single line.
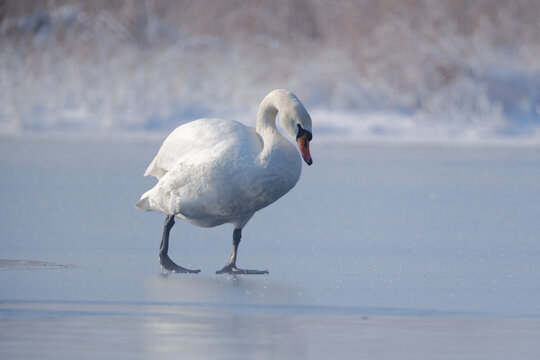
[[199, 136], [182, 140], [170, 151]]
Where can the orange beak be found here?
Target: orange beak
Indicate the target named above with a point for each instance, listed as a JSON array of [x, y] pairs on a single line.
[[303, 144]]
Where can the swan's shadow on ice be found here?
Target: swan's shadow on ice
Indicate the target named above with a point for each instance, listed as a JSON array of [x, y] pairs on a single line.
[[221, 289], [246, 295]]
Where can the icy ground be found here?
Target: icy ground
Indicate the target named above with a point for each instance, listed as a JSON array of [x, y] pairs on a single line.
[[389, 251]]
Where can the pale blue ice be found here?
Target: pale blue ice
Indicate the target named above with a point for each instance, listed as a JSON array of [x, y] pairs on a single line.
[[371, 236]]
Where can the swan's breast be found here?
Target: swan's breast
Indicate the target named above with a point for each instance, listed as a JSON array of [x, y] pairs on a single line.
[[281, 170]]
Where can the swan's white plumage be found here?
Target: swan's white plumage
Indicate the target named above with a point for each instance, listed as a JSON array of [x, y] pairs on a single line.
[[215, 171]]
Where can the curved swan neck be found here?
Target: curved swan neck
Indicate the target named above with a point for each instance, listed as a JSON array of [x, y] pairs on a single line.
[[266, 116], [284, 102], [274, 142]]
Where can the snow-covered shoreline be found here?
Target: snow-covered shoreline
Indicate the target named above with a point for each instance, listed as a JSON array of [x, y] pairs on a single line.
[[378, 69]]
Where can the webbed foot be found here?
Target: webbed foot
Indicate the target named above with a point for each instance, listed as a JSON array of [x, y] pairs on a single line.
[[169, 266], [232, 269]]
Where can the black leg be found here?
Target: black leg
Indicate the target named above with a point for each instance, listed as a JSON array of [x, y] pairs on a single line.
[[166, 263], [231, 268]]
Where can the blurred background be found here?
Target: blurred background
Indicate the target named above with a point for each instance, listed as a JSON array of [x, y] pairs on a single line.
[[464, 70]]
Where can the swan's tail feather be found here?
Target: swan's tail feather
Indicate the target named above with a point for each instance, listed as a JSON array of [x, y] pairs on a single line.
[[151, 167], [143, 204], [154, 170]]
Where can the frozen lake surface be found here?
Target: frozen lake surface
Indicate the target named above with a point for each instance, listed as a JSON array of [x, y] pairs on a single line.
[[381, 251]]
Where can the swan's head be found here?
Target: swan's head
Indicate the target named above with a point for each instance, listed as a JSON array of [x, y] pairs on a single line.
[[303, 138], [297, 122]]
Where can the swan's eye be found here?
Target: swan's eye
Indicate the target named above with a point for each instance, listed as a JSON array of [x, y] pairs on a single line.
[[302, 132]]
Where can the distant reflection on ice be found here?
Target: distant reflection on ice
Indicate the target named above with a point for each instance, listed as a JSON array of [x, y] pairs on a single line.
[[157, 331], [210, 337]]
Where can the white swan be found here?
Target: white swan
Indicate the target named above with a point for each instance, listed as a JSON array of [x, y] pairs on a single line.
[[214, 171]]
